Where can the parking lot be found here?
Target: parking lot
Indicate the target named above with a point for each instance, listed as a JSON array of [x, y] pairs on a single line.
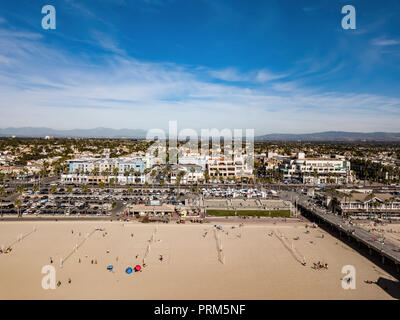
[[92, 202]]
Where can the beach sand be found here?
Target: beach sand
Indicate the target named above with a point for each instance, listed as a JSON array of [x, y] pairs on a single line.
[[256, 265]]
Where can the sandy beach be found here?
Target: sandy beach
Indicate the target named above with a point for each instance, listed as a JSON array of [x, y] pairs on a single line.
[[256, 261]]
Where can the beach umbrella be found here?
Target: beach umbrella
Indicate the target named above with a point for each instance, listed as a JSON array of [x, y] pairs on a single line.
[[128, 270], [110, 267], [138, 268]]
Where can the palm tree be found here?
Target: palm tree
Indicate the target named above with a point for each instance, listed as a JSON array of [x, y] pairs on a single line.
[[115, 171], [386, 202], [53, 189], [102, 186], [192, 171], [69, 190], [95, 171], [130, 190], [126, 174], [375, 205], [330, 175], [25, 172], [35, 188], [18, 204], [20, 189], [42, 173], [207, 176], [84, 188], [2, 193], [315, 175]]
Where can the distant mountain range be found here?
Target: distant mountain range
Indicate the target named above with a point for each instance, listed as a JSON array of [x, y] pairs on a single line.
[[35, 132], [333, 136], [41, 132]]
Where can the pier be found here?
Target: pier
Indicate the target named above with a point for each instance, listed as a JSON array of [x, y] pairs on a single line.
[[387, 251]]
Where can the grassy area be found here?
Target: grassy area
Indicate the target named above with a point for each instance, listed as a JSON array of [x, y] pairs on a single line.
[[263, 213]]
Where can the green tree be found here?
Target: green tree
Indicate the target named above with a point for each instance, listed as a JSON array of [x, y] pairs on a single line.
[[102, 186], [35, 188], [53, 190], [20, 189], [84, 188], [115, 171], [18, 204]]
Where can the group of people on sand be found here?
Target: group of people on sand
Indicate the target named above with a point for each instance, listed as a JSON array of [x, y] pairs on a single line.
[[6, 250], [319, 266]]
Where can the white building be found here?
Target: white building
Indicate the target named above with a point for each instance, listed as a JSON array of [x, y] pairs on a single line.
[[228, 167], [191, 173], [117, 170], [317, 170]]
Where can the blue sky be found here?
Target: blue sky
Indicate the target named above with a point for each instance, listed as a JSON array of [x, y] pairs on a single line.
[[275, 66]]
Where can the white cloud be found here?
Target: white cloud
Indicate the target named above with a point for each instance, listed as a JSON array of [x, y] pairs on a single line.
[[107, 43], [47, 87], [233, 75], [265, 76], [229, 74], [381, 42]]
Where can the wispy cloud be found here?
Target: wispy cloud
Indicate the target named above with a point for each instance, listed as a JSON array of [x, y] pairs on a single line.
[[50, 87], [228, 74], [382, 42], [233, 75], [106, 42], [17, 34]]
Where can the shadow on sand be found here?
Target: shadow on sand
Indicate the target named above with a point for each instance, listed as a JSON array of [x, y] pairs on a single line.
[[390, 286]]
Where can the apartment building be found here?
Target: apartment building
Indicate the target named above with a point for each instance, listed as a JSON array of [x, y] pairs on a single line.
[[317, 170], [123, 165], [119, 170], [228, 167]]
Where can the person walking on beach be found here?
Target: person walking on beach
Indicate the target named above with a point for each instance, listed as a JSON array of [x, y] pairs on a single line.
[[51, 259]]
